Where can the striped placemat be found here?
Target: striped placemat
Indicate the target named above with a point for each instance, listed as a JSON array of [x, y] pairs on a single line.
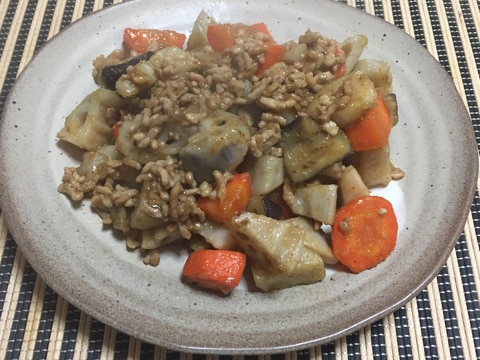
[[442, 322]]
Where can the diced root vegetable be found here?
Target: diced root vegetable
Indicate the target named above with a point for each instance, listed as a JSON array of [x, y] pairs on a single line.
[[334, 171], [267, 173], [362, 98], [353, 48], [237, 196], [283, 253], [374, 166], [219, 270], [372, 131], [351, 185], [222, 36], [316, 201], [378, 71], [296, 54], [391, 104], [198, 36], [217, 235], [87, 125], [116, 129], [140, 39], [269, 279]]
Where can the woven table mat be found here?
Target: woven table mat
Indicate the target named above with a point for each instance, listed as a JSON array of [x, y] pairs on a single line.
[[442, 322]]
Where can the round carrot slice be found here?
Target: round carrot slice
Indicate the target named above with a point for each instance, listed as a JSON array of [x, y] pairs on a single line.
[[364, 232]]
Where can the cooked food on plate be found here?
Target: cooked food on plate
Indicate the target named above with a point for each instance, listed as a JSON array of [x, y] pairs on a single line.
[[254, 153]]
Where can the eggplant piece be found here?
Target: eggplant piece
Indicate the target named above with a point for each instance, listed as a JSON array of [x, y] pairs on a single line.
[[272, 209], [362, 98], [221, 144], [111, 73], [264, 205], [307, 153]]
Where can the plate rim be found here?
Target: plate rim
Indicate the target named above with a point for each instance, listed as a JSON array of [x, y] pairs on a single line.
[[9, 217]]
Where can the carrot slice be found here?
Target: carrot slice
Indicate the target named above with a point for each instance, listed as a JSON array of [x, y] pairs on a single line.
[[220, 270], [364, 232], [140, 39], [260, 27], [116, 129], [342, 67], [274, 54], [341, 70], [372, 130], [237, 195], [222, 36]]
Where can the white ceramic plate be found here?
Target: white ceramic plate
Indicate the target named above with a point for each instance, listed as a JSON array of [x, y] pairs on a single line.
[[433, 143]]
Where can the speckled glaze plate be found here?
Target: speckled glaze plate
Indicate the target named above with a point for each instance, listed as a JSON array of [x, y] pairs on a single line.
[[67, 246]]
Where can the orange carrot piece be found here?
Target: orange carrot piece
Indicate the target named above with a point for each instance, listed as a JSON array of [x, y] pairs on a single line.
[[342, 67], [341, 70], [116, 129], [140, 39], [372, 130], [237, 195], [260, 27], [222, 36], [220, 270], [274, 54], [364, 232]]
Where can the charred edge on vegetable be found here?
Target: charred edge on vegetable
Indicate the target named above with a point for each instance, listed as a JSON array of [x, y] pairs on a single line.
[[272, 209], [111, 73]]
